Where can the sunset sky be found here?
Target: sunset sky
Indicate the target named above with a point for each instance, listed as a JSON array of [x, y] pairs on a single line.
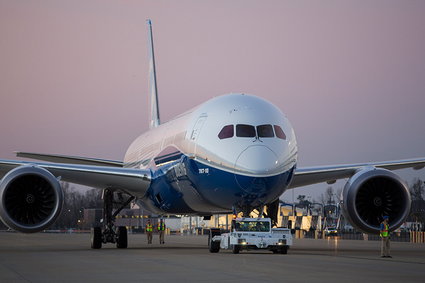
[[350, 75]]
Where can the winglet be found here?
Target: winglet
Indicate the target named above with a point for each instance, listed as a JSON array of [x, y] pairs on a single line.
[[153, 91]]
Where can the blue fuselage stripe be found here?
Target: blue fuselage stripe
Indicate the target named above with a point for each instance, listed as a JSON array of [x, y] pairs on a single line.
[[175, 184]]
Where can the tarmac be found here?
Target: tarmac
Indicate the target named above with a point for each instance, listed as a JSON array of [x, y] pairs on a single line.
[[46, 257]]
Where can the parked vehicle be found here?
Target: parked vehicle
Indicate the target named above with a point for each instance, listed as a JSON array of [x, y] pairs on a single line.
[[331, 231], [251, 233]]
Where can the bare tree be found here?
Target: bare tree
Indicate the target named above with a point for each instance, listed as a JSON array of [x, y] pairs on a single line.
[[417, 189], [304, 203], [330, 195], [322, 199], [75, 202], [339, 194]]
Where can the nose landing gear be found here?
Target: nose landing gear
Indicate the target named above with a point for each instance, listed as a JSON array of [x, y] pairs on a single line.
[[270, 210]]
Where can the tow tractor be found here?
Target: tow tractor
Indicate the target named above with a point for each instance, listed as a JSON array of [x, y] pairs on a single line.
[[250, 234]]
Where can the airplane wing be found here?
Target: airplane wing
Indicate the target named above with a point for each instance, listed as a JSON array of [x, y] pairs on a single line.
[[313, 175], [69, 159], [130, 180]]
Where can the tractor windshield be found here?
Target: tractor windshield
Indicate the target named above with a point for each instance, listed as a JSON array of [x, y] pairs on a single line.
[[252, 226]]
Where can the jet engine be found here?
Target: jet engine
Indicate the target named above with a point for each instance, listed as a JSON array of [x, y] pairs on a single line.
[[372, 193], [30, 199]]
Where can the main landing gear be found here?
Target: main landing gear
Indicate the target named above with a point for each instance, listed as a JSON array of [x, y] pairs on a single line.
[[109, 233]]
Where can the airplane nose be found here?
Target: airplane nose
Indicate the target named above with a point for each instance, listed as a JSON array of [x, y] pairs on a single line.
[[257, 159]]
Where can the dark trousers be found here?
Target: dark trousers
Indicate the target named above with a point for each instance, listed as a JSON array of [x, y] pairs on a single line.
[[161, 236], [149, 234], [385, 246]]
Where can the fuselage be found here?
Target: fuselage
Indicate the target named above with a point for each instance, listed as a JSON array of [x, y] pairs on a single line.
[[232, 151]]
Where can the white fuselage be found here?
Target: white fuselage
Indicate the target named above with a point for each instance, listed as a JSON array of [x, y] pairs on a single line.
[[195, 134], [253, 150]]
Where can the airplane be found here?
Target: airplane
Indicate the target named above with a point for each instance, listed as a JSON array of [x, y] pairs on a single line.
[[235, 153]]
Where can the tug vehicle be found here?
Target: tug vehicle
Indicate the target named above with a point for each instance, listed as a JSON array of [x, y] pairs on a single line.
[[251, 234]]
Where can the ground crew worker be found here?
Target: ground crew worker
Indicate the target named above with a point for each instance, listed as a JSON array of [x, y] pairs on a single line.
[[149, 231], [161, 230], [385, 237]]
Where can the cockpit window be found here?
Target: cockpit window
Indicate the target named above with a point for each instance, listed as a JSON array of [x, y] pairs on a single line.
[[250, 131], [265, 131], [279, 132], [226, 132], [245, 131]]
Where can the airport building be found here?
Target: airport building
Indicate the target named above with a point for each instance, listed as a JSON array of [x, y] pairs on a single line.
[[306, 219]]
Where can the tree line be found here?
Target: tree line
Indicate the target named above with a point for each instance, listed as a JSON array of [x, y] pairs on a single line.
[[75, 201]]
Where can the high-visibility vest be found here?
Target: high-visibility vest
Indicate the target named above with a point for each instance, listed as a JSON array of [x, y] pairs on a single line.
[[384, 233], [161, 226], [149, 228]]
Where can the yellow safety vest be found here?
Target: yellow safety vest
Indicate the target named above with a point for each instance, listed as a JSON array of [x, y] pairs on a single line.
[[149, 228], [161, 227], [384, 233]]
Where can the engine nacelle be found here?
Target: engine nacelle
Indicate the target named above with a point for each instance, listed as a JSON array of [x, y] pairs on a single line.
[[30, 199], [372, 193]]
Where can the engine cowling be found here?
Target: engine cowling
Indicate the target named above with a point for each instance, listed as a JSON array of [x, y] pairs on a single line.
[[372, 193], [30, 199]]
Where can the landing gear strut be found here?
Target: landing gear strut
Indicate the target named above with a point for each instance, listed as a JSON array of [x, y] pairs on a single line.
[[110, 233], [270, 210]]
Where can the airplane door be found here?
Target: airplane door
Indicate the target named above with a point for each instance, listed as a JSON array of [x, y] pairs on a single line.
[[198, 126], [197, 130]]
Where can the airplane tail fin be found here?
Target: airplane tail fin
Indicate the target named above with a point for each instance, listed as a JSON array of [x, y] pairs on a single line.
[[153, 91]]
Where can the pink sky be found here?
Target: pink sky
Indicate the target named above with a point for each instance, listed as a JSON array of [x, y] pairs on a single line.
[[350, 75]]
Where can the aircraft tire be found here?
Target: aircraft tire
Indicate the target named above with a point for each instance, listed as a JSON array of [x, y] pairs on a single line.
[[214, 247], [284, 250], [96, 238], [235, 249], [122, 240]]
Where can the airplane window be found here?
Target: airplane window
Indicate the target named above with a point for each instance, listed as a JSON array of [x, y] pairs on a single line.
[[279, 132], [245, 131], [265, 131], [226, 132]]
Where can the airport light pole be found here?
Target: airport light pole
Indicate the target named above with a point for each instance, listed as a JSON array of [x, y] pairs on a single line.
[[293, 203]]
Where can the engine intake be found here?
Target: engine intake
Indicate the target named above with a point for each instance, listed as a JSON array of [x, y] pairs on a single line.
[[30, 199], [372, 193]]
